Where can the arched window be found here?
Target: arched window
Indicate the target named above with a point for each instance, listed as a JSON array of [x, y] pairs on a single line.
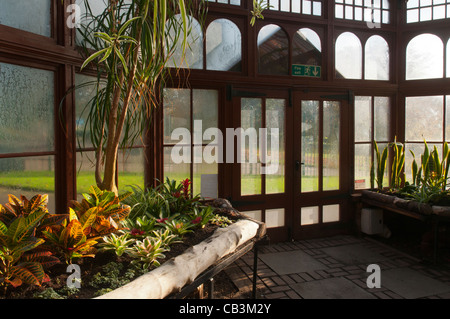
[[193, 57], [376, 59], [425, 57], [448, 59], [273, 51], [223, 46], [348, 57], [306, 48]]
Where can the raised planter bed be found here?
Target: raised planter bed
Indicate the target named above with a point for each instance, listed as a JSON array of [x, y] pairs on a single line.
[[196, 265], [431, 214]]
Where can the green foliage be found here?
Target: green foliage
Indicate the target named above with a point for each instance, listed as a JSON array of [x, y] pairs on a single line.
[[381, 159], [221, 221], [120, 244], [70, 239], [397, 175], [147, 252], [103, 210], [430, 179], [179, 227], [164, 201], [20, 261], [24, 207], [258, 7]]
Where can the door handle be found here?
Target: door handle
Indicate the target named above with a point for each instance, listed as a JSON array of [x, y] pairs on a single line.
[[297, 165]]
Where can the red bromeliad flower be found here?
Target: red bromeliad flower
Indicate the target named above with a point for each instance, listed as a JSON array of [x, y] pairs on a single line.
[[176, 194], [162, 220], [197, 220], [137, 232], [186, 183]]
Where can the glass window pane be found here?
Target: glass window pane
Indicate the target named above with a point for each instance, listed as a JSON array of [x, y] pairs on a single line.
[[131, 167], [424, 122], [27, 105], [32, 16], [309, 215], [310, 146], [382, 117], [363, 158], [275, 217], [205, 108], [306, 7], [376, 59], [87, 22], [348, 57], [251, 122], [412, 16], [330, 213], [339, 11], [331, 145], [275, 119], [363, 119], [193, 57], [285, 5], [317, 8], [439, 12], [306, 48], [83, 96], [85, 172], [295, 6], [447, 120], [223, 46], [425, 57], [177, 113], [273, 51], [28, 176]]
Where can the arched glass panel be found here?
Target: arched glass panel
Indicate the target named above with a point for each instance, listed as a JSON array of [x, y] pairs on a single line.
[[425, 57], [273, 51], [306, 48], [376, 65], [223, 46], [348, 57], [193, 57], [448, 59]]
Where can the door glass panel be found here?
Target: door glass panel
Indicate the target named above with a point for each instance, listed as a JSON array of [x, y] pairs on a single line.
[[176, 112], [331, 119], [275, 217], [176, 171], [330, 213], [251, 122], [255, 214], [310, 146], [309, 215], [275, 119]]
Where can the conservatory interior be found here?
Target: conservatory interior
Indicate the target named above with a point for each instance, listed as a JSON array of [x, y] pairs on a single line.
[[296, 113]]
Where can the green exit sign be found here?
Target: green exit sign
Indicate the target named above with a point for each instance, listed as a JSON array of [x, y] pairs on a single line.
[[313, 71]]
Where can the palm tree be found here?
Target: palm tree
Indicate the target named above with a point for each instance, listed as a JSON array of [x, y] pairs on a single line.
[[129, 45]]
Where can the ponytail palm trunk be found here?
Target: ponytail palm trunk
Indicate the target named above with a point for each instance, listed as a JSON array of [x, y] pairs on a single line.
[[128, 45]]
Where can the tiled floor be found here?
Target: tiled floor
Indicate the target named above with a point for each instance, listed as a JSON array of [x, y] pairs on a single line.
[[337, 268]]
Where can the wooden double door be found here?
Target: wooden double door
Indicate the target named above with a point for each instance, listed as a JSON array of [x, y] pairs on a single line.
[[300, 182]]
